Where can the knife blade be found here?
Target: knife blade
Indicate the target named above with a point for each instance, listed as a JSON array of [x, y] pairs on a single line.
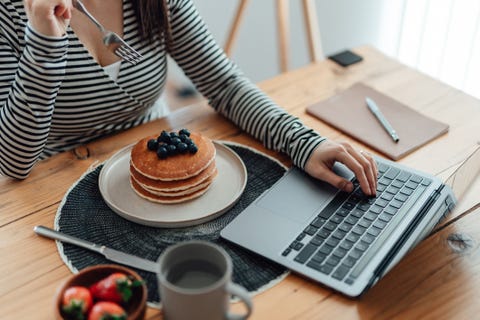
[[109, 253]]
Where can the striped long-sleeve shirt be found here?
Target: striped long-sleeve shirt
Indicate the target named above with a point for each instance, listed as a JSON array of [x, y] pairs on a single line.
[[55, 96]]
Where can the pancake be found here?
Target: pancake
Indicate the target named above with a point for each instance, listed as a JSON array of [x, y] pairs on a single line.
[[173, 185], [163, 199], [172, 178], [185, 192], [177, 167]]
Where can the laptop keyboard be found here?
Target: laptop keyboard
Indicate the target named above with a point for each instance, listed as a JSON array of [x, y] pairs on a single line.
[[345, 235]]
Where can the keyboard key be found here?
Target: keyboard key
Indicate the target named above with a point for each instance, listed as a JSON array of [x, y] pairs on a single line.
[[411, 185], [382, 203], [306, 253], [339, 234], [374, 231], [397, 184], [286, 252], [343, 212], [379, 224], [318, 222], [351, 220], [347, 245], [375, 209], [329, 226], [332, 261], [319, 257], [349, 261], [357, 213], [301, 236], [390, 210], [356, 254], [310, 230], [387, 196], [358, 230], [352, 237], [426, 182], [333, 205], [361, 246], [339, 253], [392, 173], [340, 272], [370, 216], [325, 249], [403, 176], [316, 241], [345, 227], [385, 217], [323, 233], [365, 223], [325, 268], [314, 265], [368, 238], [332, 242], [396, 204], [296, 245], [336, 219], [406, 191], [416, 178]]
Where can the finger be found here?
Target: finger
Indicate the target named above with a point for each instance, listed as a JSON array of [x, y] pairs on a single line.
[[373, 166], [353, 164], [366, 161]]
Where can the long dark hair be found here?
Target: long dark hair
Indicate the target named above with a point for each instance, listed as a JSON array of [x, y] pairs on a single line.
[[153, 19]]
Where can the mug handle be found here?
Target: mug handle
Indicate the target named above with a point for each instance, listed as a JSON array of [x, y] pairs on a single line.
[[243, 294]]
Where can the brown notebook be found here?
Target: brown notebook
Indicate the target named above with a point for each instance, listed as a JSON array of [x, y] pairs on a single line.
[[348, 112]]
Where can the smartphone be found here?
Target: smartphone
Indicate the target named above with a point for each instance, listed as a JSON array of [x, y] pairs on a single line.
[[345, 58]]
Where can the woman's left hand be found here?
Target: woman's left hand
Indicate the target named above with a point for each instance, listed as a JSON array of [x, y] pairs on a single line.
[[321, 162]]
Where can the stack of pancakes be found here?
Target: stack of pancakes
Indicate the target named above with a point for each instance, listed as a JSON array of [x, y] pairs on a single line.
[[178, 177]]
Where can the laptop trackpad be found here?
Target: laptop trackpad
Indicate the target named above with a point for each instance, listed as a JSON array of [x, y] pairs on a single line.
[[297, 196]]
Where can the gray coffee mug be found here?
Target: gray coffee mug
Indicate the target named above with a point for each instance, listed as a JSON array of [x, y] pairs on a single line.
[[195, 282]]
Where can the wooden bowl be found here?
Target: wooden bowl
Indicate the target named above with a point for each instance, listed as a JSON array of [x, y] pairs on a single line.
[[135, 308]]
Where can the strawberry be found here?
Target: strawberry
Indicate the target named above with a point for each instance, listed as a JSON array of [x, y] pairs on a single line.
[[106, 310], [117, 287], [76, 302]]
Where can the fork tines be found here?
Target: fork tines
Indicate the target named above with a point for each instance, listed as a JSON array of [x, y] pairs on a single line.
[[128, 54]]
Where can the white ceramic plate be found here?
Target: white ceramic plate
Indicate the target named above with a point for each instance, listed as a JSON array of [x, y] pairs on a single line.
[[114, 183]]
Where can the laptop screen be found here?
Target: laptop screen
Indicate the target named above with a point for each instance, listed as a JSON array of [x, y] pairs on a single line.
[[465, 174]]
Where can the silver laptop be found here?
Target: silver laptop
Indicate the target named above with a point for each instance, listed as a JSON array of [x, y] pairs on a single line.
[[346, 241]]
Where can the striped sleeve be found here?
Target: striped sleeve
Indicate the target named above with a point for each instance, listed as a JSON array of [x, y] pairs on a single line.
[[29, 83], [230, 92]]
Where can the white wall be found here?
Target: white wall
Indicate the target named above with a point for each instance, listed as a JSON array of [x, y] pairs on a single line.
[[343, 24]]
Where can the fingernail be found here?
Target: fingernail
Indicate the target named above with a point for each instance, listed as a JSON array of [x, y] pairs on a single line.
[[348, 187]]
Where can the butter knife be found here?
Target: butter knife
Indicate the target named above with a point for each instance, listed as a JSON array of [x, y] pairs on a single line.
[[110, 254]]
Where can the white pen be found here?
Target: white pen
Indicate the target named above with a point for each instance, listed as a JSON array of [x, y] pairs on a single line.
[[381, 118]]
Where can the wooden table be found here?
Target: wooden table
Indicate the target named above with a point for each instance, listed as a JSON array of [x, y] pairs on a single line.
[[439, 279]]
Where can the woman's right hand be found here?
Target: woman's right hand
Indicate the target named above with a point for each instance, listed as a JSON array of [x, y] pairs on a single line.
[[49, 17]]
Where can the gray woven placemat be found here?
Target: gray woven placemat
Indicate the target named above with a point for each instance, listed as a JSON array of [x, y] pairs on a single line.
[[85, 215]]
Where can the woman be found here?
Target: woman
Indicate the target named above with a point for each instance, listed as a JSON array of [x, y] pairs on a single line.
[[61, 87]]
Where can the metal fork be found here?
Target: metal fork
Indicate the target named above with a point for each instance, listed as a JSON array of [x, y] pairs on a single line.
[[112, 40]]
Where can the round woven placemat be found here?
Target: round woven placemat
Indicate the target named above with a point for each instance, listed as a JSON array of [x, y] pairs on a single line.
[[85, 215]]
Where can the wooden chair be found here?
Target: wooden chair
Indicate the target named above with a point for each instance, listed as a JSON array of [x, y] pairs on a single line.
[[282, 6]]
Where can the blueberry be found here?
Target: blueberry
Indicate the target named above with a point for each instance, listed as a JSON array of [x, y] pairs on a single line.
[[164, 137], [172, 149], [185, 132], [173, 134], [192, 148], [182, 147], [162, 152], [152, 144], [175, 141]]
